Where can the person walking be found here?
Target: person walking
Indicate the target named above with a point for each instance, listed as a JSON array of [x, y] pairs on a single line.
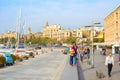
[[100, 49], [75, 54], [72, 52], [119, 57], [88, 53], [109, 62], [81, 56], [85, 52]]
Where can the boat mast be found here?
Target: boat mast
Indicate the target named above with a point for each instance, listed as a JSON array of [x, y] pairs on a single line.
[[18, 28]]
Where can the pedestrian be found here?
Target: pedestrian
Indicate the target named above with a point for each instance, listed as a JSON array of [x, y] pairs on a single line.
[[88, 53], [85, 52], [72, 52], [109, 62], [100, 49], [104, 51], [119, 57], [75, 54], [81, 56], [119, 60]]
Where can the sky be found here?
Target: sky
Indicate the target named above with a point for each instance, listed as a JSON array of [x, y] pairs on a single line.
[[70, 14]]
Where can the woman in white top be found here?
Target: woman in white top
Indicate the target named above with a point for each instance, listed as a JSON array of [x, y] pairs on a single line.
[[109, 62]]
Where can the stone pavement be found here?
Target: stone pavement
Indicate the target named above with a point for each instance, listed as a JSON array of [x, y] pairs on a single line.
[[90, 74], [69, 73], [47, 66]]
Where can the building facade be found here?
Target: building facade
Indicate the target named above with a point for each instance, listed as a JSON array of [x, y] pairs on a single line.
[[55, 32], [29, 30], [8, 34], [112, 26]]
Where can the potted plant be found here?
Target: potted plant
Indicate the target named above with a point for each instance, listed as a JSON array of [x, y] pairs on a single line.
[[25, 57], [2, 61], [31, 54], [18, 58], [13, 57]]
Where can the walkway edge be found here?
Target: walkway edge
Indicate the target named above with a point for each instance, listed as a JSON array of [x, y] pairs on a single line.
[[61, 68], [80, 72]]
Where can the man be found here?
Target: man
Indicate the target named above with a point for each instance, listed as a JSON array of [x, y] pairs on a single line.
[[88, 53], [109, 62]]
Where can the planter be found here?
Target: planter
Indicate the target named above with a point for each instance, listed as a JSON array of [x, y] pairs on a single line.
[[25, 57], [14, 58], [18, 58], [31, 54], [2, 61]]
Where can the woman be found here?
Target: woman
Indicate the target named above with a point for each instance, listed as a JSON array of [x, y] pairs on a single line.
[[72, 52], [81, 56], [109, 62], [75, 54]]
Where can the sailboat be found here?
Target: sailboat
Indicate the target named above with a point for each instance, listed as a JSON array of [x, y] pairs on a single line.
[[20, 46]]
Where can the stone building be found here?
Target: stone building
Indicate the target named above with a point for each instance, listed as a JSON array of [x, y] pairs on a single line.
[[30, 34], [55, 32], [8, 34], [29, 30], [112, 30], [112, 26]]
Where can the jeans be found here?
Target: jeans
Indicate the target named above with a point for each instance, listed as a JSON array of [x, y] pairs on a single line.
[[73, 59], [109, 69]]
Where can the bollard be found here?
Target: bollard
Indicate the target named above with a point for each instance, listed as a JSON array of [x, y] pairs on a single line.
[[99, 73]]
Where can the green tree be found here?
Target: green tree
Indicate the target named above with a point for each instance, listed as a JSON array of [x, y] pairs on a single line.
[[5, 39], [98, 39], [13, 40], [46, 40], [70, 39], [1, 40]]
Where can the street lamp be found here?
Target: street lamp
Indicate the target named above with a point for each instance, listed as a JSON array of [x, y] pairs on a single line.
[[93, 25]]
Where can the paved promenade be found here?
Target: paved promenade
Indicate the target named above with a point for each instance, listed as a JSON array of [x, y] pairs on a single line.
[[90, 74], [47, 66], [54, 65], [69, 73]]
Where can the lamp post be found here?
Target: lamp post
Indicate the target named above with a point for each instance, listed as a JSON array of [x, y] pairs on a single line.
[[93, 25]]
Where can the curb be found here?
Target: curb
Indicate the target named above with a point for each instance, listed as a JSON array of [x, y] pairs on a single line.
[[80, 72], [61, 68]]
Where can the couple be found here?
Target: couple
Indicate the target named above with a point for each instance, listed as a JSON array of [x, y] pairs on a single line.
[[73, 53], [85, 53]]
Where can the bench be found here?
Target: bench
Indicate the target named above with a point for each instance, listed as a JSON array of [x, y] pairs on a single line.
[[99, 73]]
